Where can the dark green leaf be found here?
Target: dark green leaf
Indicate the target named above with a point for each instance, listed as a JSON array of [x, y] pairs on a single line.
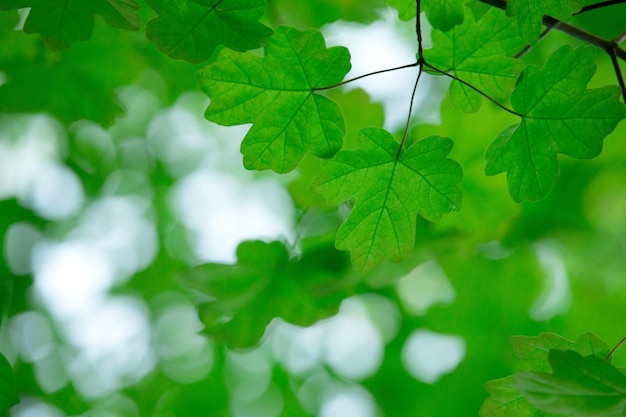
[[559, 115], [506, 401], [580, 386], [62, 22], [8, 386], [389, 189], [193, 29], [265, 284], [275, 94]]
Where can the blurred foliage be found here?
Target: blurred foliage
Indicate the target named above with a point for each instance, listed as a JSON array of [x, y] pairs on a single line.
[[114, 190]]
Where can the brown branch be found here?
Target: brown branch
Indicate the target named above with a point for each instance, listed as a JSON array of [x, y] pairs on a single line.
[[599, 5], [576, 32]]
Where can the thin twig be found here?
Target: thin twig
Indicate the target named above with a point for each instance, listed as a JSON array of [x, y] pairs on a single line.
[[618, 72], [599, 5], [408, 118], [529, 47], [610, 355], [415, 64], [418, 29]]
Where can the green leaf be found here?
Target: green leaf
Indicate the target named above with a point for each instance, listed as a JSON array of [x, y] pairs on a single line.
[[480, 54], [62, 22], [275, 94], [559, 115], [406, 8], [443, 14], [193, 29], [534, 350], [580, 386], [265, 284], [529, 14], [8, 386], [506, 401], [389, 189]]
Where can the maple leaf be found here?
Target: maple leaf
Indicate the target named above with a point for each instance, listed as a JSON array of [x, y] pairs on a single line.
[[506, 401], [265, 284], [193, 29], [580, 386], [559, 115], [62, 22], [480, 54], [529, 14], [276, 94], [389, 191]]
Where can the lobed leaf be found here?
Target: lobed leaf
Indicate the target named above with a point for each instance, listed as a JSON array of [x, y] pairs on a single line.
[[442, 14], [266, 284], [193, 29], [580, 386], [479, 53], [559, 115], [276, 94], [63, 22], [506, 401], [529, 14], [389, 189]]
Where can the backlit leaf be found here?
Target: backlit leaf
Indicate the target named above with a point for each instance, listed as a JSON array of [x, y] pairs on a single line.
[[580, 386], [62, 22], [193, 29], [506, 401], [442, 14], [529, 14], [479, 53], [275, 94], [389, 189], [559, 115]]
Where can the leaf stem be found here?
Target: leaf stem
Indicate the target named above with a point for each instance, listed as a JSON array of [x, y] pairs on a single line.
[[414, 64], [408, 118], [418, 30], [529, 47], [618, 72], [479, 91], [599, 5], [610, 355]]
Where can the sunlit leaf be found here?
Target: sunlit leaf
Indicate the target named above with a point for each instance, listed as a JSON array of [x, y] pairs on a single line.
[[389, 188], [62, 22], [442, 14], [506, 401], [580, 386], [266, 284], [275, 94], [559, 115], [193, 29], [479, 53], [529, 14]]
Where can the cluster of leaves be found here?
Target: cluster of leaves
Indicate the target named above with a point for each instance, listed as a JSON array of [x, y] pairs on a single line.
[[394, 182], [582, 382]]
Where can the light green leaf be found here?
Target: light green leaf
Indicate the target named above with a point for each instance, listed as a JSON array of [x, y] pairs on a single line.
[[389, 190], [479, 53], [580, 386], [506, 401], [62, 22], [8, 386], [534, 350], [193, 29], [529, 14], [559, 115], [406, 8], [275, 94], [265, 284]]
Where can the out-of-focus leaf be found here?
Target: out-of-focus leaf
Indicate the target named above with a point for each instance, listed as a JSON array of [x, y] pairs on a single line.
[[534, 350], [316, 13], [193, 29], [506, 401], [559, 115], [8, 386], [529, 14], [580, 386], [390, 188], [479, 53], [266, 284], [62, 22], [442, 14], [276, 94]]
